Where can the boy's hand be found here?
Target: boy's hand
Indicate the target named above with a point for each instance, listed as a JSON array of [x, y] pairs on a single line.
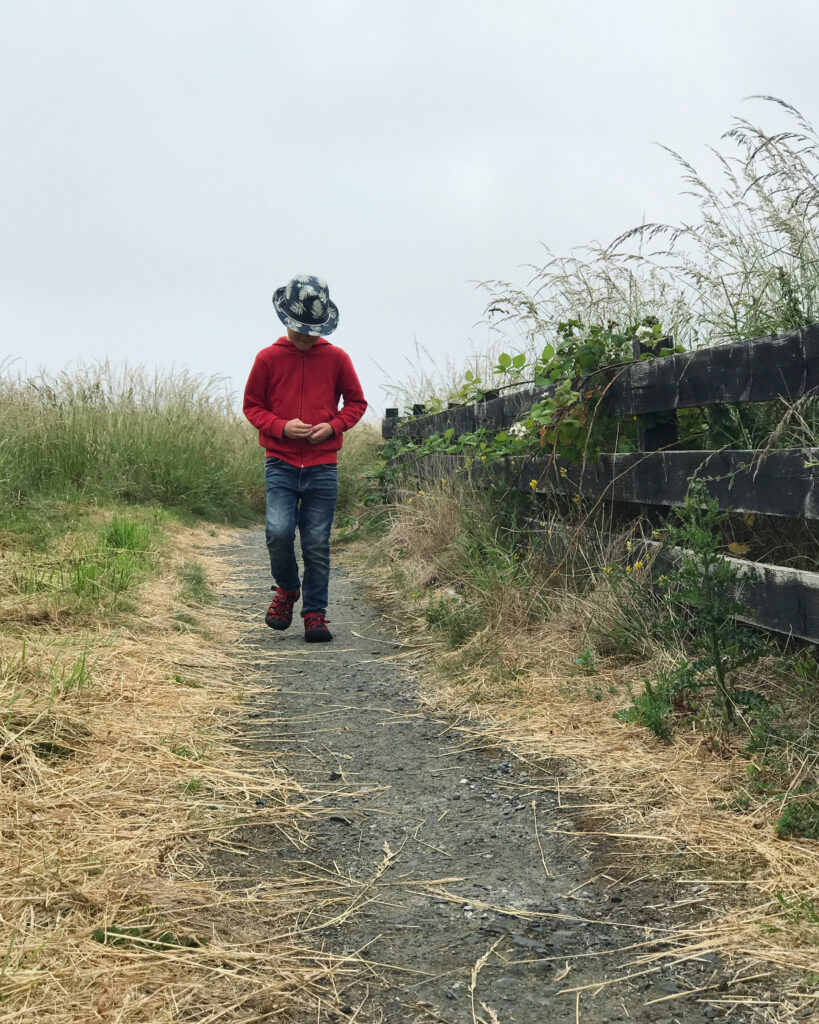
[[320, 432], [295, 428]]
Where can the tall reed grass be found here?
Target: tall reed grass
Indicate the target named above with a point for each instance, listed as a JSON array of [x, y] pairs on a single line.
[[105, 434], [744, 264]]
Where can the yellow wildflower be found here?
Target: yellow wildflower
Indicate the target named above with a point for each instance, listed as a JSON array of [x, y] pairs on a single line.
[[628, 568], [638, 565], [607, 570], [628, 545], [663, 579], [409, 501], [576, 499], [563, 471], [483, 458], [533, 484]]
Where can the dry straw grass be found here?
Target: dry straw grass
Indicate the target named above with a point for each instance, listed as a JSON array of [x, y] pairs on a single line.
[[518, 684], [112, 783]]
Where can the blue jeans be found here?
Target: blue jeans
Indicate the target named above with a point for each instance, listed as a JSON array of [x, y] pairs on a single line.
[[303, 497]]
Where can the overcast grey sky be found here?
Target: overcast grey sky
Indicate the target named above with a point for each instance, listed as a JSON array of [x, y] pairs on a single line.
[[167, 163]]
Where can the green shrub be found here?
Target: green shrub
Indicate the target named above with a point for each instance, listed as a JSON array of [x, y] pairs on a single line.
[[457, 620], [652, 709], [799, 819]]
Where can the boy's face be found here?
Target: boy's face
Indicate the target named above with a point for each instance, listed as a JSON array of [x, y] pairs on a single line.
[[301, 341]]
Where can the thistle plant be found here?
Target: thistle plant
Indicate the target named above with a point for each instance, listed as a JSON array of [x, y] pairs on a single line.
[[704, 589]]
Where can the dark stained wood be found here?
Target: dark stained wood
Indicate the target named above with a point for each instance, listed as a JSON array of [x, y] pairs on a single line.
[[778, 598], [665, 433], [780, 484], [780, 366], [761, 370], [781, 599], [495, 414]]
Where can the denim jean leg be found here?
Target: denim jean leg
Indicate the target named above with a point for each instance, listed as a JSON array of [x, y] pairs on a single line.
[[318, 505], [281, 485]]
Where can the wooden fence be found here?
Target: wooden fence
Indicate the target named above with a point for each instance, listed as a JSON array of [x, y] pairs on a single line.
[[775, 482]]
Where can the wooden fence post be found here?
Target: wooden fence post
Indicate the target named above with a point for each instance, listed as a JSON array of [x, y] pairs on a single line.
[[662, 435]]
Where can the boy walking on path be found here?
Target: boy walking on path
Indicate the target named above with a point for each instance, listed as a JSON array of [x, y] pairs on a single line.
[[292, 397]]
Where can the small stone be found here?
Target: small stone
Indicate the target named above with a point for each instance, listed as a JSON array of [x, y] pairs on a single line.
[[261, 803], [667, 985], [335, 776]]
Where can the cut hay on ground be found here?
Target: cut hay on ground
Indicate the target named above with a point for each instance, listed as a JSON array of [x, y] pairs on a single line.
[[113, 781]]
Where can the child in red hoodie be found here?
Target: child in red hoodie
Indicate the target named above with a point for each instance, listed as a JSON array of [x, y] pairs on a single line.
[[292, 397]]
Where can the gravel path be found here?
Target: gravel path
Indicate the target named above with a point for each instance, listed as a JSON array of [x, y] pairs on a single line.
[[537, 912]]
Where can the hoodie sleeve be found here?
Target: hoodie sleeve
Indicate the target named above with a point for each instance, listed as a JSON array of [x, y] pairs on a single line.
[[255, 405], [355, 405]]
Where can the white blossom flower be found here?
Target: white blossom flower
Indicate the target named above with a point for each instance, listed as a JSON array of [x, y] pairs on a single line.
[[517, 430], [643, 332]]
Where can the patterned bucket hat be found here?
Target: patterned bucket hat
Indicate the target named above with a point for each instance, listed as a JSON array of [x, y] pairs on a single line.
[[304, 305]]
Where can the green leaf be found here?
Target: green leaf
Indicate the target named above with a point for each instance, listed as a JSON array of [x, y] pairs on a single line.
[[519, 361], [504, 360]]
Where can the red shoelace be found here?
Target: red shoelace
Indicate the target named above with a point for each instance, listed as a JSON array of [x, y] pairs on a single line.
[[281, 607], [314, 620]]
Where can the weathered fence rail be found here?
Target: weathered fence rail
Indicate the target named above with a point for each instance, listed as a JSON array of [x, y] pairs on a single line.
[[775, 482], [781, 366]]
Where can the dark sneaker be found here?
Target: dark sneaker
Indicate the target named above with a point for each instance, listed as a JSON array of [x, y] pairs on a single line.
[[315, 628], [280, 613]]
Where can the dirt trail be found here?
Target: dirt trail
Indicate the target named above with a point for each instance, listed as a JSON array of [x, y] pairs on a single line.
[[536, 911]]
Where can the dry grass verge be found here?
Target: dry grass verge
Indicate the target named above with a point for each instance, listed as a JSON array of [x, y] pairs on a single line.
[[116, 771], [517, 682]]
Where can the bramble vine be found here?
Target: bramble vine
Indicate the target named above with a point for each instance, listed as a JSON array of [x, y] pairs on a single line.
[[565, 422]]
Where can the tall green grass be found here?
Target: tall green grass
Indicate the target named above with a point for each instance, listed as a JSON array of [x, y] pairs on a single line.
[[743, 264], [124, 435], [356, 459]]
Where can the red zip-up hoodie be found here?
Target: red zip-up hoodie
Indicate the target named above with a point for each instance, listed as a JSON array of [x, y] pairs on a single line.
[[287, 384]]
